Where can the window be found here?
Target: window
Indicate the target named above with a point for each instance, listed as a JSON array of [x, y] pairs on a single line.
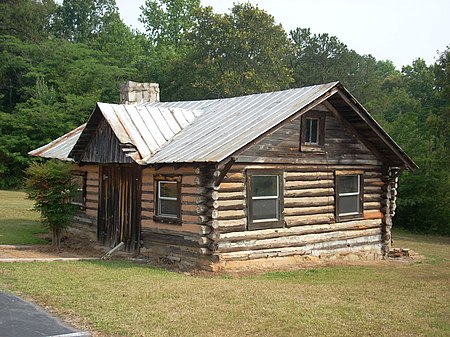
[[265, 199], [79, 195], [168, 199], [349, 196], [312, 132]]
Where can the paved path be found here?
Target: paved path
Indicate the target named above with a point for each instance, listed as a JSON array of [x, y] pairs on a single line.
[[19, 318]]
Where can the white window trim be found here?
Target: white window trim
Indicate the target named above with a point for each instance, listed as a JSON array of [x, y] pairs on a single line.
[[270, 197], [160, 213], [349, 194]]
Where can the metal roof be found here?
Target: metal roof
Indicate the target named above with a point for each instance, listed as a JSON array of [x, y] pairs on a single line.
[[210, 130], [226, 125], [60, 147]]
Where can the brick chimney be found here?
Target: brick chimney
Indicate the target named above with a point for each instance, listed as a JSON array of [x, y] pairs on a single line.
[[138, 93]]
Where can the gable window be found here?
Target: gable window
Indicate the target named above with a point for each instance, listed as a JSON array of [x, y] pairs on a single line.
[[349, 196], [312, 131], [79, 195], [168, 199], [265, 199]]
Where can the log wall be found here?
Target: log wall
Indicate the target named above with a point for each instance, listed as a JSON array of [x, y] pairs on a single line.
[[85, 221], [185, 244], [310, 229]]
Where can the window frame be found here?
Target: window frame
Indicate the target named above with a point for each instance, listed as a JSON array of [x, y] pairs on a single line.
[[308, 146], [360, 193], [83, 189], [157, 215], [265, 223]]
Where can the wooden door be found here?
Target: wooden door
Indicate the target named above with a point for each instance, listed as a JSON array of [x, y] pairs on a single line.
[[119, 206]]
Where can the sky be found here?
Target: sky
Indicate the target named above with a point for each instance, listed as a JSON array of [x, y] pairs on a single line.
[[396, 30]]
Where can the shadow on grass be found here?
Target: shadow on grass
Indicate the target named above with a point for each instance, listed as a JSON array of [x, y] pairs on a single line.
[[21, 232]]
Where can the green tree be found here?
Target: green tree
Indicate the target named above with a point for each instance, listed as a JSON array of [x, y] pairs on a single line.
[[168, 21], [82, 20], [54, 87], [27, 20], [50, 186], [234, 54]]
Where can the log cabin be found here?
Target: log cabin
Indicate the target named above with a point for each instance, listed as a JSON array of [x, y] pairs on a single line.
[[260, 181]]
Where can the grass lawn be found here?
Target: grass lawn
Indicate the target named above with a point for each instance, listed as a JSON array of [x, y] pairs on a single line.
[[123, 299], [18, 225]]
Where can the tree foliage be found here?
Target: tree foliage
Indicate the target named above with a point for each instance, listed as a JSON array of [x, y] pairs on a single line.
[[168, 21], [50, 186]]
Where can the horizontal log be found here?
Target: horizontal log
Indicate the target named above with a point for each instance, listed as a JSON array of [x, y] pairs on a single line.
[[373, 189], [229, 204], [293, 231], [289, 167], [372, 197], [309, 192], [196, 190], [307, 210], [292, 221], [93, 189], [228, 215], [308, 201], [226, 226], [372, 205], [91, 204], [370, 244], [373, 215], [231, 187], [221, 195], [295, 240], [308, 176], [91, 212], [234, 177], [292, 185], [342, 160]]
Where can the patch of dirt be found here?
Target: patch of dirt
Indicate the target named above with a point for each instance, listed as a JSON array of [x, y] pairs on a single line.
[[71, 247]]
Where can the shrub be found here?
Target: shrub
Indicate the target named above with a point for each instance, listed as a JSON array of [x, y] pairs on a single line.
[[50, 186]]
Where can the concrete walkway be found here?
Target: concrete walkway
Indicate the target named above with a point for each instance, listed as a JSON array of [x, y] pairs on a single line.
[[19, 318]]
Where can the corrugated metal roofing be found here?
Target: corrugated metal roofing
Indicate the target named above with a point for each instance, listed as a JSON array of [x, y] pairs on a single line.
[[60, 147], [221, 126], [147, 127]]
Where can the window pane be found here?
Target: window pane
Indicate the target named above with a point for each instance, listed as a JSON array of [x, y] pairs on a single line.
[[263, 186], [265, 209], [77, 197], [314, 131], [348, 184], [168, 207], [349, 204], [308, 131], [168, 189]]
